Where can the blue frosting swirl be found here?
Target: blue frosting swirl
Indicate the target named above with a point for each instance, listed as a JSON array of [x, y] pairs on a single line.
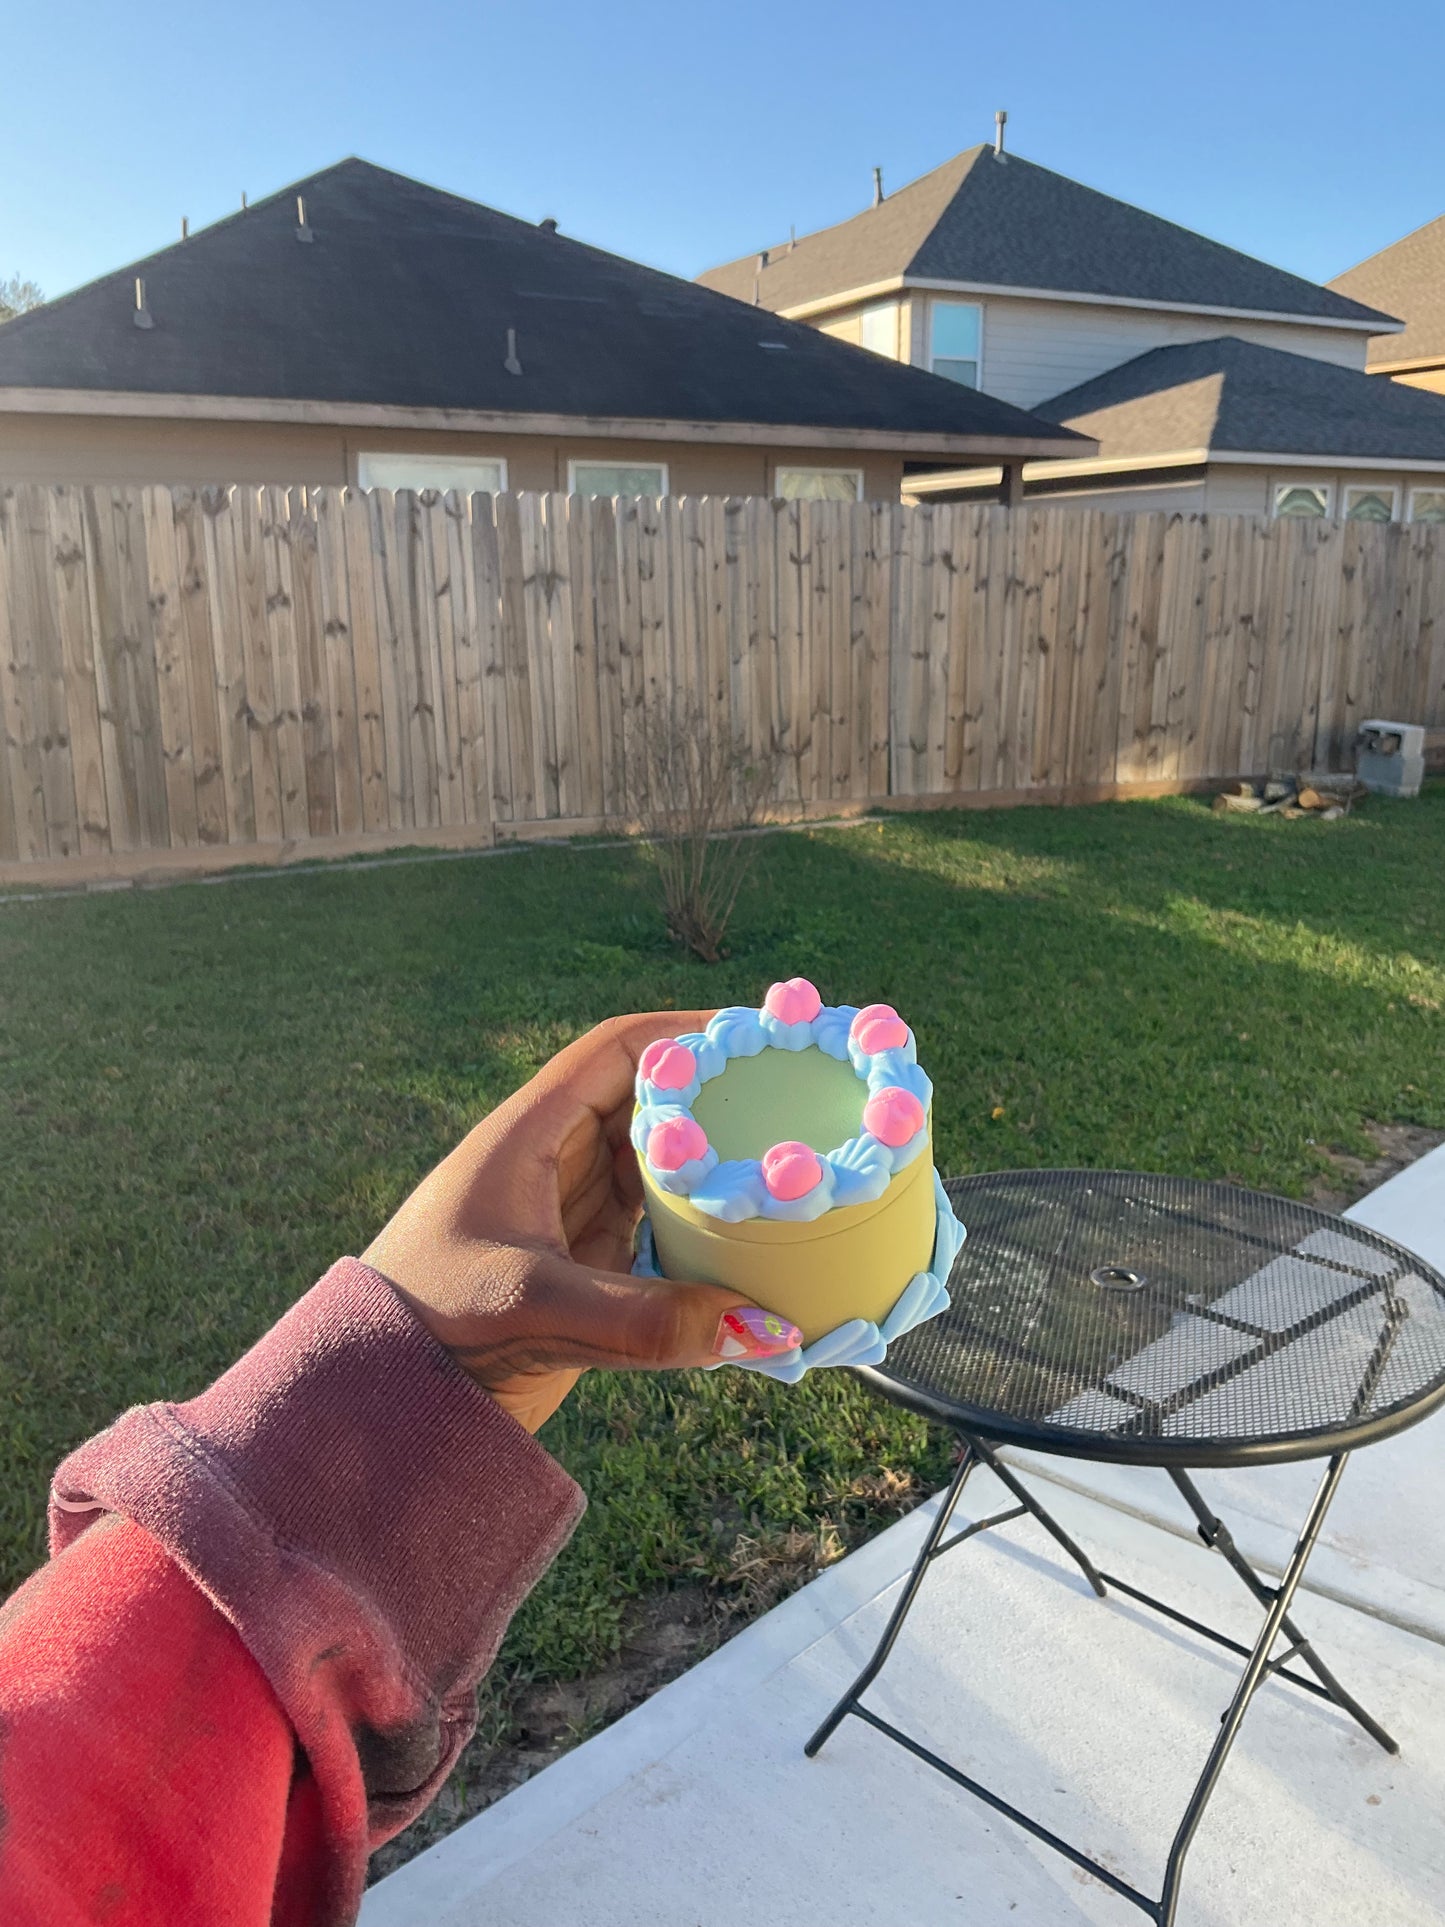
[[856, 1172]]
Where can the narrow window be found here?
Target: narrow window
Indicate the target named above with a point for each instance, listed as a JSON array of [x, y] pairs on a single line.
[[1427, 504], [1371, 502], [617, 478], [467, 474], [955, 340], [819, 484], [1302, 501]]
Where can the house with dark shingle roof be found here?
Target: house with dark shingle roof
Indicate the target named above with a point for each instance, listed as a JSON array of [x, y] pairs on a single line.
[[1209, 379], [1408, 278], [361, 327]]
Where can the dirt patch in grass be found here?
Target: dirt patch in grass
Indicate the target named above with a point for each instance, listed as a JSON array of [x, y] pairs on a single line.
[[525, 1728], [531, 1726], [1397, 1145]]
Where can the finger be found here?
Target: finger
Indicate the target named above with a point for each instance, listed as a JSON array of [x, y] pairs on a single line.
[[610, 1319], [600, 1068], [591, 1080]]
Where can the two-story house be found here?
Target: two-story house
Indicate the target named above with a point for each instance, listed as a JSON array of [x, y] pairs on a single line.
[[1209, 379]]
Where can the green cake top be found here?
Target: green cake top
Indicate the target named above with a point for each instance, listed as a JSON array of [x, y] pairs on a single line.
[[787, 1111]]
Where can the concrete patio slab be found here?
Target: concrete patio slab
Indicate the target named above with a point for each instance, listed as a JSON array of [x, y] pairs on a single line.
[[699, 1809]]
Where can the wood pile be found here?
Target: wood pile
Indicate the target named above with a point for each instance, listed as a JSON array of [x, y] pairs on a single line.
[[1320, 793]]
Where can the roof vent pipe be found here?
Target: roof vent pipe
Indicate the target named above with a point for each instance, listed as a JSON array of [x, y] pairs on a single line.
[[511, 364], [244, 202], [185, 227], [303, 232], [878, 187], [142, 316], [999, 121]]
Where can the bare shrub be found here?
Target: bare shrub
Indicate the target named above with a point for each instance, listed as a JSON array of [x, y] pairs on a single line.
[[695, 789]]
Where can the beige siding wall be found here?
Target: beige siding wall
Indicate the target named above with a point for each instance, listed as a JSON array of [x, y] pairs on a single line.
[[1181, 498], [1250, 491], [846, 325], [1033, 350], [74, 448], [1233, 489], [1236, 491]]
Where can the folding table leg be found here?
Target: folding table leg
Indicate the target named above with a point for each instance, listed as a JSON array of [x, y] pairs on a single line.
[[900, 1612], [1277, 1616], [1046, 1519], [1216, 1534]]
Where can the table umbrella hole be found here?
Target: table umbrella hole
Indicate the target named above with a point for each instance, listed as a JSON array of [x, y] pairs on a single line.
[[1117, 1278]]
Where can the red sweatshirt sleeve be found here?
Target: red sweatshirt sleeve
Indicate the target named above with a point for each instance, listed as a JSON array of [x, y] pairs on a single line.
[[332, 1541]]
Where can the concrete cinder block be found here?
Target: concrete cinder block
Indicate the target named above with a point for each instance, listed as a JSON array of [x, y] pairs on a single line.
[[1391, 775], [1390, 759]]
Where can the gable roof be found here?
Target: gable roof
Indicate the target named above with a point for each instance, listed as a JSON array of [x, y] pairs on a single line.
[[1233, 396], [1408, 278], [405, 297], [991, 223]]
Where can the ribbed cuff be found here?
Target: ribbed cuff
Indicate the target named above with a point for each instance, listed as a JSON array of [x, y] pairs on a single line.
[[365, 1515]]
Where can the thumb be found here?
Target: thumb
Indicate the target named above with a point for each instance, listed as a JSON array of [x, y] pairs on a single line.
[[614, 1320]]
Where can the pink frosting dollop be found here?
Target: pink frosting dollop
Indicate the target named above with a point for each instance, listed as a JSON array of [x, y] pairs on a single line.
[[667, 1064], [675, 1142], [791, 1170], [795, 1002], [878, 1027], [894, 1116]]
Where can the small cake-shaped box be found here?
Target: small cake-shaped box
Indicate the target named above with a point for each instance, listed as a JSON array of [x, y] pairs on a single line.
[[786, 1152]]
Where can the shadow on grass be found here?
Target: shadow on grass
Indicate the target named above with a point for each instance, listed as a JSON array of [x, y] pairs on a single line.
[[208, 1094]]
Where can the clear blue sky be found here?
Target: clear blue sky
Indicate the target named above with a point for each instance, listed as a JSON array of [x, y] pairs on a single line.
[[684, 134]]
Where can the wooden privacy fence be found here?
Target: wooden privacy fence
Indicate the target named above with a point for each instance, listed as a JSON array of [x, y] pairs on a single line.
[[181, 668]]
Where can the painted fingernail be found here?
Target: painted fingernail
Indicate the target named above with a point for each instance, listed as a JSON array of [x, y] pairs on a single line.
[[750, 1332]]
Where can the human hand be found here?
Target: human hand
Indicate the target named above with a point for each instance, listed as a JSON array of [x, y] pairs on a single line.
[[515, 1251]]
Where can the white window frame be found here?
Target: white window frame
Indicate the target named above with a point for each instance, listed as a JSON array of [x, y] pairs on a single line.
[[1392, 489], [816, 468], [366, 455], [952, 301], [601, 461], [1427, 488], [1276, 487]]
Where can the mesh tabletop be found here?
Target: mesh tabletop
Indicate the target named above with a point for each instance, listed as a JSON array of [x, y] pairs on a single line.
[[1161, 1320]]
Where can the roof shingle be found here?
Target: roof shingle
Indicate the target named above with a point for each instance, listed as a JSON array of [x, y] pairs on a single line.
[[405, 297], [1233, 396], [1012, 224], [1408, 278]]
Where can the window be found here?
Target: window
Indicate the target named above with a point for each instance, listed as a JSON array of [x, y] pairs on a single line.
[[955, 340], [1371, 502], [1302, 501], [617, 478], [468, 474], [819, 484], [878, 329], [1427, 504]]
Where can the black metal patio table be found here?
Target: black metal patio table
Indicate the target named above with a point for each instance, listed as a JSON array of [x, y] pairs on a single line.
[[1163, 1322]]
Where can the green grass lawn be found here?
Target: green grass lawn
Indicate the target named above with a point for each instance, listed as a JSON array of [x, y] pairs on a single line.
[[207, 1093]]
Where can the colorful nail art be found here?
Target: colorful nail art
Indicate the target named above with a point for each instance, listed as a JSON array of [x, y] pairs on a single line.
[[750, 1332]]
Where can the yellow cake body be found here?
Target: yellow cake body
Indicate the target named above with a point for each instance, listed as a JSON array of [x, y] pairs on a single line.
[[852, 1263]]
